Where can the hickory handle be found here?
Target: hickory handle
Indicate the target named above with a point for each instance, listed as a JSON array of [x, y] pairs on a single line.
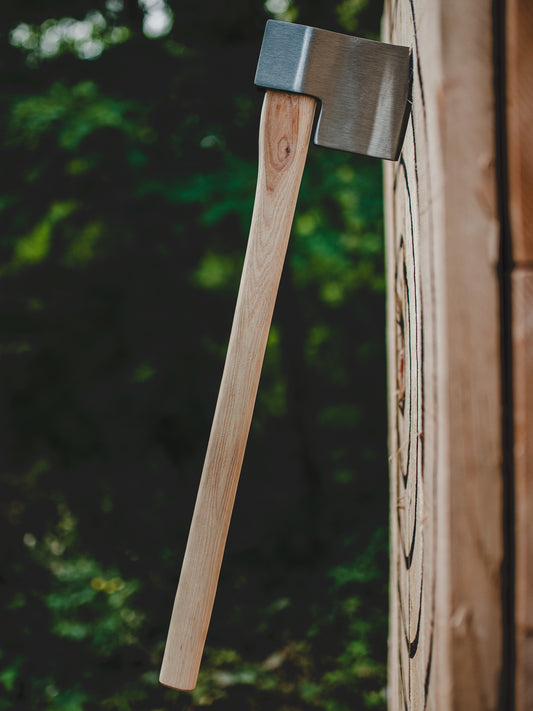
[[285, 129]]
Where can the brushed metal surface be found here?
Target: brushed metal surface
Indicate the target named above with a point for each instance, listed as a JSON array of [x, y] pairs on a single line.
[[362, 85]]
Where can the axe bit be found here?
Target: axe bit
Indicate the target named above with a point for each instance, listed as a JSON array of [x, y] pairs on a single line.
[[362, 90]]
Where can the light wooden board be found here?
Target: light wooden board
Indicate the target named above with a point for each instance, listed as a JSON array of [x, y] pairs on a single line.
[[442, 228], [522, 299], [519, 118]]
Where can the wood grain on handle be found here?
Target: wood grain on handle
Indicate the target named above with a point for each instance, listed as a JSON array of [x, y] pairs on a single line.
[[285, 130]]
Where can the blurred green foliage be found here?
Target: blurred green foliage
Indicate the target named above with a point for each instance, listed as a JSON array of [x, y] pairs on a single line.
[[128, 134]]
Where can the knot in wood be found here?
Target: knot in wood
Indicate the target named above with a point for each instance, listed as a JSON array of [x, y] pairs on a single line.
[[284, 150]]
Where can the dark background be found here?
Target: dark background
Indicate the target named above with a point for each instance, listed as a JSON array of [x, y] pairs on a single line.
[[129, 148]]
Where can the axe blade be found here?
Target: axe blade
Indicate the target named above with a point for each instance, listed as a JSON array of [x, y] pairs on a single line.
[[363, 86]]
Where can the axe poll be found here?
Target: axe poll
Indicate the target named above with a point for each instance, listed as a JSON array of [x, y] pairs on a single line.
[[361, 88]]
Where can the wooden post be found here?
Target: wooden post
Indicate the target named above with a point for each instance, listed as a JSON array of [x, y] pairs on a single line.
[[445, 374]]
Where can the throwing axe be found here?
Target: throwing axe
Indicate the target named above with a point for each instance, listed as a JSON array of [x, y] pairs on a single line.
[[362, 90]]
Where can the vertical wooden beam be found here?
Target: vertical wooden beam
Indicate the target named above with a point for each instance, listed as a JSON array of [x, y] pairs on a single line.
[[522, 299], [442, 234], [519, 65], [519, 119]]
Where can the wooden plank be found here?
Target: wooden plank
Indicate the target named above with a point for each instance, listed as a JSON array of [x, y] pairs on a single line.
[[522, 299], [442, 231], [519, 68], [519, 117]]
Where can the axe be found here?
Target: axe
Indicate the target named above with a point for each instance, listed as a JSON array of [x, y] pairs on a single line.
[[362, 90]]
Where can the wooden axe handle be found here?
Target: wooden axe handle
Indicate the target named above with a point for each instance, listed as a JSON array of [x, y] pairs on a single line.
[[286, 122]]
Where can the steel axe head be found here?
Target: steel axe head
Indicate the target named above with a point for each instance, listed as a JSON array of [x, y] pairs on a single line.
[[363, 86]]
